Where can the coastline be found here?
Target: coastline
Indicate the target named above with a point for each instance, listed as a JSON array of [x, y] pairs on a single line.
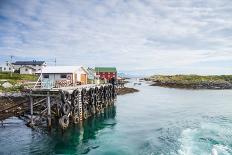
[[217, 82], [191, 86]]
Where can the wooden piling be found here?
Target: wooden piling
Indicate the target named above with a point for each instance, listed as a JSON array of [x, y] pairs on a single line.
[[49, 122], [31, 108]]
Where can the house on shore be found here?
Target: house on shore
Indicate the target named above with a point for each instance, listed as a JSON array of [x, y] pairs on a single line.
[[7, 67], [61, 76], [29, 67], [106, 73]]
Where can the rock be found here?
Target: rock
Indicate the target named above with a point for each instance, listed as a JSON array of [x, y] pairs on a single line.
[[7, 85], [126, 90], [12, 94]]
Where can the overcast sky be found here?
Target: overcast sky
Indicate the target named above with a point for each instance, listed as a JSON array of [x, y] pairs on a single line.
[[149, 36]]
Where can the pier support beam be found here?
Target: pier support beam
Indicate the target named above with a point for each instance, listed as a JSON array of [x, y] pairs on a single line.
[[49, 121], [31, 108]]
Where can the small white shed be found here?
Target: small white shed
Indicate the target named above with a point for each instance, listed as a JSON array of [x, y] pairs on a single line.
[[64, 74]]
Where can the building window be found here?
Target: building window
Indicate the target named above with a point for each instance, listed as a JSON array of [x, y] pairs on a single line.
[[9, 68], [46, 76], [4, 68], [26, 69], [63, 76], [0, 68]]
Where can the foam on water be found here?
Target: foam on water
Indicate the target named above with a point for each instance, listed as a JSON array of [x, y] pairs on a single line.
[[211, 138]]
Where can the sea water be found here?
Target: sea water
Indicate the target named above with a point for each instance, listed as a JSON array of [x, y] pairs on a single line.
[[154, 121]]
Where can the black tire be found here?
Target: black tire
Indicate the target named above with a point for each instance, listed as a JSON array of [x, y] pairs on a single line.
[[75, 102], [85, 114], [96, 90], [76, 93], [76, 119], [84, 96], [65, 96], [75, 111], [66, 108], [64, 121]]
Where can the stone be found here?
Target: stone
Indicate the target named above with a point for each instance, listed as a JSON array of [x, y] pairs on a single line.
[[7, 85]]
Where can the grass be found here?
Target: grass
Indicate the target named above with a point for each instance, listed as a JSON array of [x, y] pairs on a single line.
[[17, 76], [16, 80]]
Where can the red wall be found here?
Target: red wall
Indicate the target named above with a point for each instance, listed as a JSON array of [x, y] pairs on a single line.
[[107, 75]]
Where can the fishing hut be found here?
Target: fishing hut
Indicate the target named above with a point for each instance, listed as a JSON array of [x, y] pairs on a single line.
[[67, 102]]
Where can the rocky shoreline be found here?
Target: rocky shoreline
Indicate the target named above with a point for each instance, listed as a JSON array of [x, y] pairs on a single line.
[[203, 85], [9, 101], [192, 81], [126, 90]]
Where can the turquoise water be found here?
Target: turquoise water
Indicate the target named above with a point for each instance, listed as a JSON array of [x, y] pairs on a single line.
[[154, 121]]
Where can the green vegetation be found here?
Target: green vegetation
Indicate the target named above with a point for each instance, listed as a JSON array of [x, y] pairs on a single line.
[[192, 78], [193, 81], [16, 80], [17, 76]]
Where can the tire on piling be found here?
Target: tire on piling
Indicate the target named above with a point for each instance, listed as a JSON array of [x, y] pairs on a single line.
[[76, 119], [64, 121], [66, 108], [85, 114], [65, 96], [84, 95], [75, 111]]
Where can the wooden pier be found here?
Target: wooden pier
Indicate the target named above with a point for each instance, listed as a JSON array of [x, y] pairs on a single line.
[[68, 104]]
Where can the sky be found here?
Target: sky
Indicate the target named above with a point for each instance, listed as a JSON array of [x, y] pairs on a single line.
[[136, 36]]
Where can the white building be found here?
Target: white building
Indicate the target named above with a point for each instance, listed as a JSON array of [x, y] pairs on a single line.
[[7, 67], [29, 67], [63, 75], [27, 70]]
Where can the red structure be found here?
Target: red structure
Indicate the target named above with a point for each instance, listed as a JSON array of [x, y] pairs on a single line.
[[106, 72]]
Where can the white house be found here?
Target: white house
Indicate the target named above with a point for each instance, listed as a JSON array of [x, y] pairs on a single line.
[[29, 67], [63, 75], [26, 70], [7, 67]]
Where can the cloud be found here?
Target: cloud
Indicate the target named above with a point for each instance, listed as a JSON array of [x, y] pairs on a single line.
[[132, 35]]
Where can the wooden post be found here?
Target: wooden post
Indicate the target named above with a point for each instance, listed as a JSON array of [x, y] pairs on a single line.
[[31, 108], [49, 110]]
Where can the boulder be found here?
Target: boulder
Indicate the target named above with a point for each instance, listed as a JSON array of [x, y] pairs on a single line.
[[7, 85]]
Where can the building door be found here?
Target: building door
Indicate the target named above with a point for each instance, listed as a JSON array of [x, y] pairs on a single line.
[[83, 79]]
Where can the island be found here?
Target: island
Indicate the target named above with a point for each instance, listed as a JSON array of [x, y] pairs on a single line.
[[126, 90], [192, 81]]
